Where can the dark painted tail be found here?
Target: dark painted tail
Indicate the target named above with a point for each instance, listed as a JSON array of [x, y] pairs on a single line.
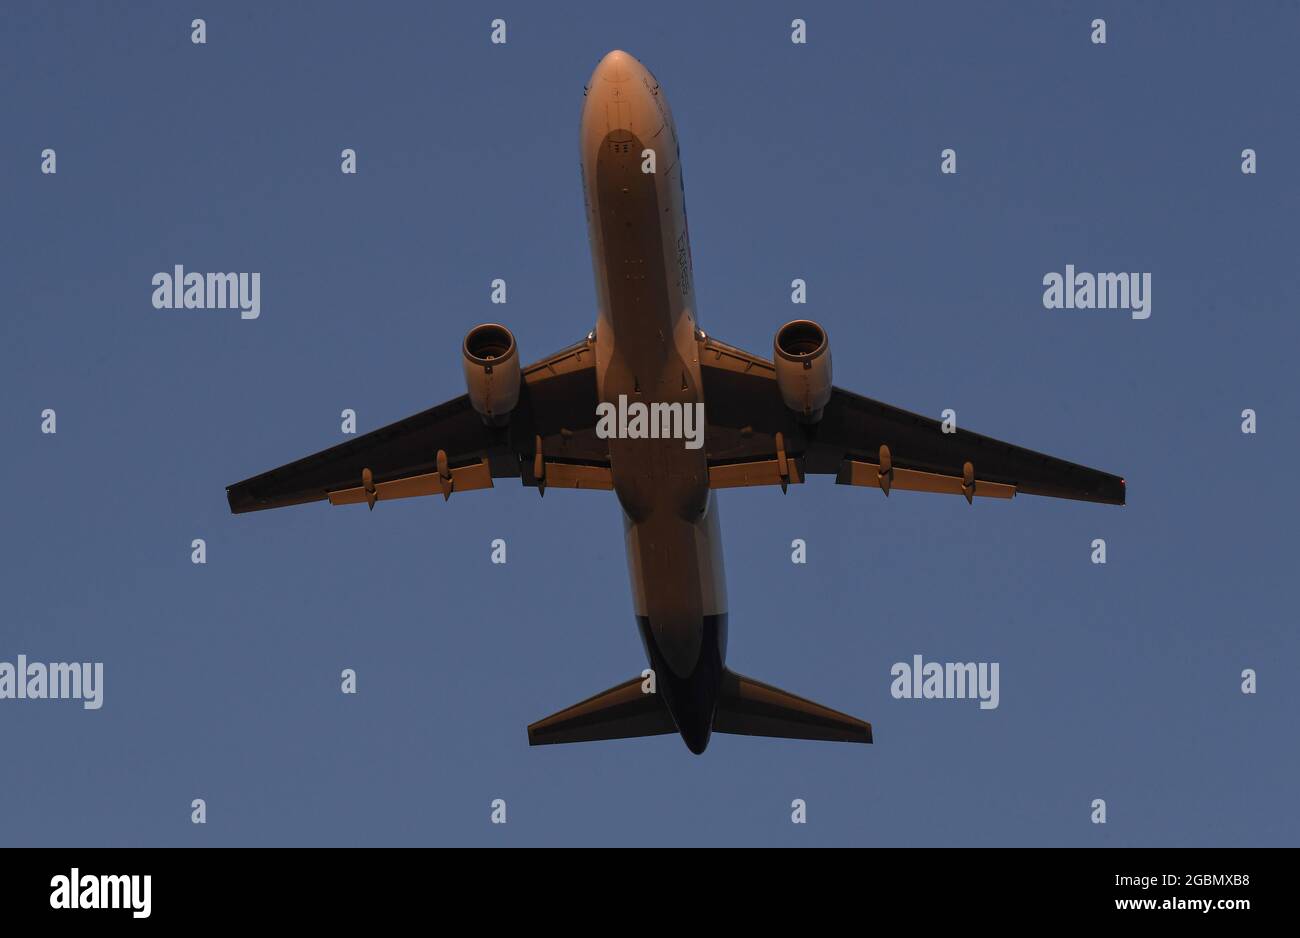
[[747, 707], [621, 712]]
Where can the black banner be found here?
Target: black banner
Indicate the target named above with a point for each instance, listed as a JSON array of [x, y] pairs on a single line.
[[139, 887]]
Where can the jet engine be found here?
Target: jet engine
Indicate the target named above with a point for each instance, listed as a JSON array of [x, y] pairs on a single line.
[[491, 361], [803, 368]]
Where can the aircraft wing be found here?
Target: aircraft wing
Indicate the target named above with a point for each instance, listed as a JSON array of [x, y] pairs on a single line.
[[754, 439], [550, 441]]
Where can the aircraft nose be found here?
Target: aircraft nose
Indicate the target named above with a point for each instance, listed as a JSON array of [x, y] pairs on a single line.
[[617, 66], [622, 96]]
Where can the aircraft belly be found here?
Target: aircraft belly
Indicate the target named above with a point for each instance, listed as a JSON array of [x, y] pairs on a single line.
[[678, 585], [647, 353], [643, 361]]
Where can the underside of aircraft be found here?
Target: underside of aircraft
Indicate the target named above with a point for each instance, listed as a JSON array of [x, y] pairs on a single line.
[[768, 422]]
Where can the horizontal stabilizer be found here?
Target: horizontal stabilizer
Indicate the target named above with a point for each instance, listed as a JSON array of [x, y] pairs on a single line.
[[618, 713], [747, 707]]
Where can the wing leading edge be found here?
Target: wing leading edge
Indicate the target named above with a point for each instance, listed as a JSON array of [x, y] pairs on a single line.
[[755, 439], [549, 441]]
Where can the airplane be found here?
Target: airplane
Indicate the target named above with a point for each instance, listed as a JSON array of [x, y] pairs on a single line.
[[769, 422]]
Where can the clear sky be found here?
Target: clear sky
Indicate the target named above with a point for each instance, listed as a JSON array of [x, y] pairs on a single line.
[[820, 161]]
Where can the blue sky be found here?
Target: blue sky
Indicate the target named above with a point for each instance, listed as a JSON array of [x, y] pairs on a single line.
[[819, 161]]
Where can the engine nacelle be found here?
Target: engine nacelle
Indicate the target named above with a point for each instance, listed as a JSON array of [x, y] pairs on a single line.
[[803, 368], [491, 361]]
